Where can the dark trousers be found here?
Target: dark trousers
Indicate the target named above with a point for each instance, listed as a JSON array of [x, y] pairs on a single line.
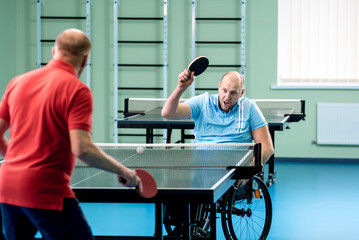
[[20, 223]]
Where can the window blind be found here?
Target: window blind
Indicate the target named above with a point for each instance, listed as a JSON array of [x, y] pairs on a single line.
[[318, 42]]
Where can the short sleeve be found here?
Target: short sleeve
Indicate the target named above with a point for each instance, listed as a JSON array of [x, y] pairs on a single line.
[[80, 111], [257, 119], [4, 105], [196, 105]]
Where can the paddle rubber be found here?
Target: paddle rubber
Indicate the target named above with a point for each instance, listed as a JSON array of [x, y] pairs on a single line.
[[198, 65], [149, 185]]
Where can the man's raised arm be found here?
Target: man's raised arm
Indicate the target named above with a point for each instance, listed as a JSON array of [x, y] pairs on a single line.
[[173, 109]]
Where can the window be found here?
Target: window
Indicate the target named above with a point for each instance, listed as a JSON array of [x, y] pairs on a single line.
[[318, 43]]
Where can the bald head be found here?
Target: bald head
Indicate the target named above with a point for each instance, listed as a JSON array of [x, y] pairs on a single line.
[[234, 77], [73, 42], [230, 89], [72, 46]]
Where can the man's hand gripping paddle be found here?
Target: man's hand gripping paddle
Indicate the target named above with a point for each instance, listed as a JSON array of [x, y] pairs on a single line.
[[149, 185]]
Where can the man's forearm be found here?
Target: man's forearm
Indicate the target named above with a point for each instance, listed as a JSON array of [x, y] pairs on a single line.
[[170, 107], [4, 126], [96, 158], [83, 148], [267, 152]]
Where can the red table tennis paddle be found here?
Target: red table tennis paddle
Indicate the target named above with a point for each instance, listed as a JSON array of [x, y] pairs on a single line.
[[198, 65], [149, 185]]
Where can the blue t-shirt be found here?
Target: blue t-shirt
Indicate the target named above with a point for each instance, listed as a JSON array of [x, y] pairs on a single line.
[[212, 125]]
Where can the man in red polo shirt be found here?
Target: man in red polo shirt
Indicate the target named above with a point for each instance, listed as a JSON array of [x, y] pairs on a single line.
[[49, 112]]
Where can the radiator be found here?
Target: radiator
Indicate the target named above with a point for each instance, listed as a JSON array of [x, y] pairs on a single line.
[[338, 123]]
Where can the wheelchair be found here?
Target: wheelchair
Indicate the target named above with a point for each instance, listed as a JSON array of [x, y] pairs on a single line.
[[245, 212]]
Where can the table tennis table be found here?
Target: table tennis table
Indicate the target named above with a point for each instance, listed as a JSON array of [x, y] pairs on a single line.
[[189, 173], [145, 113]]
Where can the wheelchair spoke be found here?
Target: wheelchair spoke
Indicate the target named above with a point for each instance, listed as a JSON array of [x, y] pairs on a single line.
[[249, 212]]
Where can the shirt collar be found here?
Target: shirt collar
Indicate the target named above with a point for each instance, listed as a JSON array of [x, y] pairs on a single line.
[[62, 64]]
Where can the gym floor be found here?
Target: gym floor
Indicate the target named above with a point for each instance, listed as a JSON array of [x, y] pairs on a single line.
[[310, 201]]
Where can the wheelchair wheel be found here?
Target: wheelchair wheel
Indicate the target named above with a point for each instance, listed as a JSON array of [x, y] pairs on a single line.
[[173, 226], [247, 211], [174, 223]]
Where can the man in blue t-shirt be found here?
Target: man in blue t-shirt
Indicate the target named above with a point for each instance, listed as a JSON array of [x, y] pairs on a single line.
[[221, 118]]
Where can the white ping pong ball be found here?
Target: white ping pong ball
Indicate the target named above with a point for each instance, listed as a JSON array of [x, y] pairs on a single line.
[[139, 150]]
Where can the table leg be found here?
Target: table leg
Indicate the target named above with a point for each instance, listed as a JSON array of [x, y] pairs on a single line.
[[271, 172], [169, 133], [158, 221], [213, 215], [182, 135], [149, 135]]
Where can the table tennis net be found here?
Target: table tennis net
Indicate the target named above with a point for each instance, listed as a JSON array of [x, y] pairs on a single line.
[[181, 155], [280, 106]]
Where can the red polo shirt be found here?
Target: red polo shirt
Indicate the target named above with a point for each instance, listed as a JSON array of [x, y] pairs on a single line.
[[41, 107]]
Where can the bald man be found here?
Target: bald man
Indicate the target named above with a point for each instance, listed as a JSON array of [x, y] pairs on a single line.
[[49, 113], [221, 118], [226, 117]]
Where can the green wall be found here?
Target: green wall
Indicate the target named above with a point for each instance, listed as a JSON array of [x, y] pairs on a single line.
[[8, 35], [18, 54]]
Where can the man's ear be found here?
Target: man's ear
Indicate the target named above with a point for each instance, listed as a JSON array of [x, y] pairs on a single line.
[[242, 92], [53, 51], [84, 61]]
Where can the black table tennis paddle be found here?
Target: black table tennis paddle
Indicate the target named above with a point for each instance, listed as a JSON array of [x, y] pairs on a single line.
[[198, 65], [149, 185]]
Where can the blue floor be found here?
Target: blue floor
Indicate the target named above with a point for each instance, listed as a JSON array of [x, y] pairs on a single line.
[[310, 201], [315, 201]]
